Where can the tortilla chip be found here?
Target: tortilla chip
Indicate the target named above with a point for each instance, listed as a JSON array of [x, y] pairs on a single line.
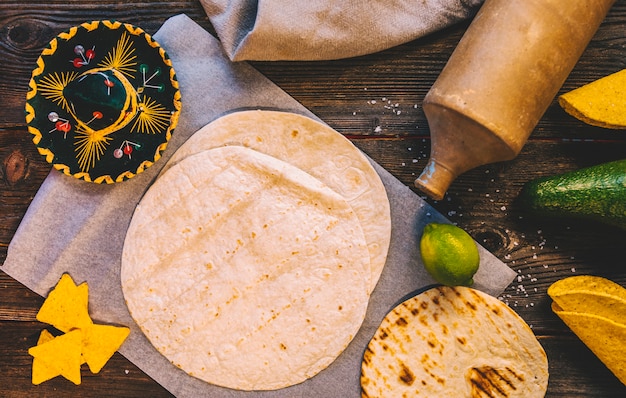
[[65, 308], [590, 295], [600, 103], [57, 356], [41, 372], [605, 338], [100, 343]]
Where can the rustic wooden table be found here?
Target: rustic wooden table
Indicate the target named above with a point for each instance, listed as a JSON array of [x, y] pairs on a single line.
[[375, 101]]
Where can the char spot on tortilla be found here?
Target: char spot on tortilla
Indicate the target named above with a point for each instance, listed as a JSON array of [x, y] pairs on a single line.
[[471, 305], [487, 381], [406, 376], [401, 322]]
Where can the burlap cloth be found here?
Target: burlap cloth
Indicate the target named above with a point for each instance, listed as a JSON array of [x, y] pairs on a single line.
[[79, 227], [327, 29]]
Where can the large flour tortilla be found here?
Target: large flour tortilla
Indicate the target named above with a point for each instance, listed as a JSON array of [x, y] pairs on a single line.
[[245, 271], [454, 342], [317, 149]]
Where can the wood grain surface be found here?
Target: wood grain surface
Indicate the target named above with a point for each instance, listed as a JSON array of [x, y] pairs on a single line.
[[375, 101]]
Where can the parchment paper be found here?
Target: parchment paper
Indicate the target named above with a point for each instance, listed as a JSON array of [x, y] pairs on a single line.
[[78, 227]]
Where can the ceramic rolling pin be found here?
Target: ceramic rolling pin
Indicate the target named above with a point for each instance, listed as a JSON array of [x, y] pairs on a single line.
[[506, 70]]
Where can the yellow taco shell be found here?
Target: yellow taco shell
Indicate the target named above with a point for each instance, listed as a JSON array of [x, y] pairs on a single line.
[[604, 337], [600, 103]]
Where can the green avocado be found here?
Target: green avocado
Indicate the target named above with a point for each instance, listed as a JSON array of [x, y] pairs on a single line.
[[593, 193]]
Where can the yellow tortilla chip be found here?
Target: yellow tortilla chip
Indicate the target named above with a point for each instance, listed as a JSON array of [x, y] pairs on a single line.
[[599, 103], [605, 338], [100, 343], [59, 356], [66, 306], [41, 372]]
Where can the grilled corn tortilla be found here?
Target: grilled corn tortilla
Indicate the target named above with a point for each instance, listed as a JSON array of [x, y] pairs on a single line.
[[317, 149], [245, 271], [454, 342]]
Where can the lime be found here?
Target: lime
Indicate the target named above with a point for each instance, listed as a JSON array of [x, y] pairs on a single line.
[[449, 254]]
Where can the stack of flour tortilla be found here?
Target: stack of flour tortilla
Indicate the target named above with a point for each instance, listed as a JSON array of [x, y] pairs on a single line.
[[250, 261]]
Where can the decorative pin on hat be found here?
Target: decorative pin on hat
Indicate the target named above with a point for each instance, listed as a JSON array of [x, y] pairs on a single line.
[[103, 101]]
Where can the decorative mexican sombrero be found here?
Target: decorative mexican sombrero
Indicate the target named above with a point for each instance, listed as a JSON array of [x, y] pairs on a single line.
[[103, 101]]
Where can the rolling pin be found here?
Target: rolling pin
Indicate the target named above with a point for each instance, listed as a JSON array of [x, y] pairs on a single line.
[[499, 81]]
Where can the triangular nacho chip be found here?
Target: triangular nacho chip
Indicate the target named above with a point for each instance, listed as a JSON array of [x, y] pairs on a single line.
[[100, 343], [604, 338], [600, 103], [41, 371], [59, 356], [66, 306]]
